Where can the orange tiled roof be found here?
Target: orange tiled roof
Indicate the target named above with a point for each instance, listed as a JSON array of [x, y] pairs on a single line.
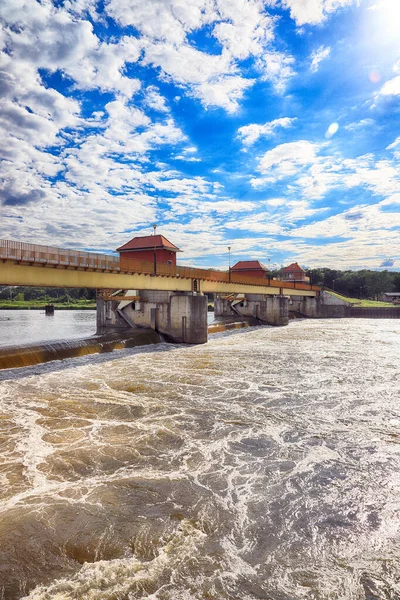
[[249, 265], [293, 267], [149, 242]]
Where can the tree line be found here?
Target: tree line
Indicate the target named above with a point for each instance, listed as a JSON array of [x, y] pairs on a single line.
[[355, 284], [45, 294]]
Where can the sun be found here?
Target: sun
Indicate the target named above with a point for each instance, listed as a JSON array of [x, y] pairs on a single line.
[[385, 15]]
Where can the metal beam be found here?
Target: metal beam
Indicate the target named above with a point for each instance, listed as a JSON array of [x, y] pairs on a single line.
[[246, 288], [14, 273]]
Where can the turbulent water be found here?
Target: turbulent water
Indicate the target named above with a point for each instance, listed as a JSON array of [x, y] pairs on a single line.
[[263, 465]]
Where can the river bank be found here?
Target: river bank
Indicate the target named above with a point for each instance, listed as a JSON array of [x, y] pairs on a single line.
[[27, 305]]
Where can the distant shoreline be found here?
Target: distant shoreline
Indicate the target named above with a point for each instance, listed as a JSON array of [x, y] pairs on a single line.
[[42, 307]]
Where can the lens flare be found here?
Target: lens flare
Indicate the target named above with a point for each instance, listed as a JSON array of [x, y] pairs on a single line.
[[374, 76], [332, 129]]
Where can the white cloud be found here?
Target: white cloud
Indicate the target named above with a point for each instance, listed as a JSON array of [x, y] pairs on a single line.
[[211, 78], [313, 11], [394, 144], [286, 159], [187, 158], [242, 27], [357, 125], [250, 133], [358, 221], [258, 223], [227, 206], [166, 20], [277, 67], [224, 92], [49, 38], [391, 87], [187, 65], [317, 56], [311, 175], [154, 99], [275, 202], [245, 30]]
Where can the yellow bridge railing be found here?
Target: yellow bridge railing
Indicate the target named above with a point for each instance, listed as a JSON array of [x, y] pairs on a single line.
[[36, 255]]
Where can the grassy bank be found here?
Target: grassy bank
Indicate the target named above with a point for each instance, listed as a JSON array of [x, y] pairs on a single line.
[[362, 303], [40, 304]]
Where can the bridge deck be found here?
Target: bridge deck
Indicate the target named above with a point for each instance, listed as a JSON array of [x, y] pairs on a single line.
[[34, 265]]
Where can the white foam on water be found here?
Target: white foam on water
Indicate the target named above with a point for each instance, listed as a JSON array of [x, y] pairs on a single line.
[[282, 446], [118, 578]]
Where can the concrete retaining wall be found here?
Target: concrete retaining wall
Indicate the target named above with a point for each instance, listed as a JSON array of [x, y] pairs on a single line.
[[374, 313], [325, 308]]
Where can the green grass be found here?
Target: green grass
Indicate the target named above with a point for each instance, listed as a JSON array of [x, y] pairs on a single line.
[[361, 302], [40, 304]]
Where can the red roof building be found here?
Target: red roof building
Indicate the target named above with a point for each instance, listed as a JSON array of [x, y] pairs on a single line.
[[294, 273], [144, 248], [250, 268]]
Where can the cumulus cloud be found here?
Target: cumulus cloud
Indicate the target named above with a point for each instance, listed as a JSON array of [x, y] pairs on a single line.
[[277, 67], [16, 197], [211, 78], [246, 28], [391, 87], [87, 153], [168, 20], [286, 159], [154, 100], [243, 29], [53, 39], [313, 11], [251, 133]]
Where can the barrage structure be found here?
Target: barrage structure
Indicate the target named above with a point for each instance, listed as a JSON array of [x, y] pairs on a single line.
[[143, 293]]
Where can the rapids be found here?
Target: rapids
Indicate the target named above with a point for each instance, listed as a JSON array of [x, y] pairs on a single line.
[[263, 465]]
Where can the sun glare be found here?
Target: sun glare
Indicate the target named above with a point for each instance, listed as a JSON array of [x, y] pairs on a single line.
[[386, 18]]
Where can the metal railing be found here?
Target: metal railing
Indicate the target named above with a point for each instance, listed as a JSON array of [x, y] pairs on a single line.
[[58, 257], [34, 254]]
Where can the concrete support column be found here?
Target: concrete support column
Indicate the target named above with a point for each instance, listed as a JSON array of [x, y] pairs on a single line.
[[181, 318], [185, 320], [274, 310], [222, 307], [108, 319], [318, 308]]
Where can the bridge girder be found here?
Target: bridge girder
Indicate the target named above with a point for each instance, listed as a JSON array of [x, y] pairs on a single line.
[[20, 274]]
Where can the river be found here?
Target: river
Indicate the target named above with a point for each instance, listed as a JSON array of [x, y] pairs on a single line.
[[262, 465], [32, 326]]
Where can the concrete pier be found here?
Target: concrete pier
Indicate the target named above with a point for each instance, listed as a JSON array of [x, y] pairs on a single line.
[[326, 306], [108, 320], [180, 317], [270, 310]]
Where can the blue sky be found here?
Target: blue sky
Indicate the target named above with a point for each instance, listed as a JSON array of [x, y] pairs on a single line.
[[272, 127]]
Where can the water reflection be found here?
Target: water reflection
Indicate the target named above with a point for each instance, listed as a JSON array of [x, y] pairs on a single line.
[[32, 326]]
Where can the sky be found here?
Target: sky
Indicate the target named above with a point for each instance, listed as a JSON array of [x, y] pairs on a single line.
[[271, 127]]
